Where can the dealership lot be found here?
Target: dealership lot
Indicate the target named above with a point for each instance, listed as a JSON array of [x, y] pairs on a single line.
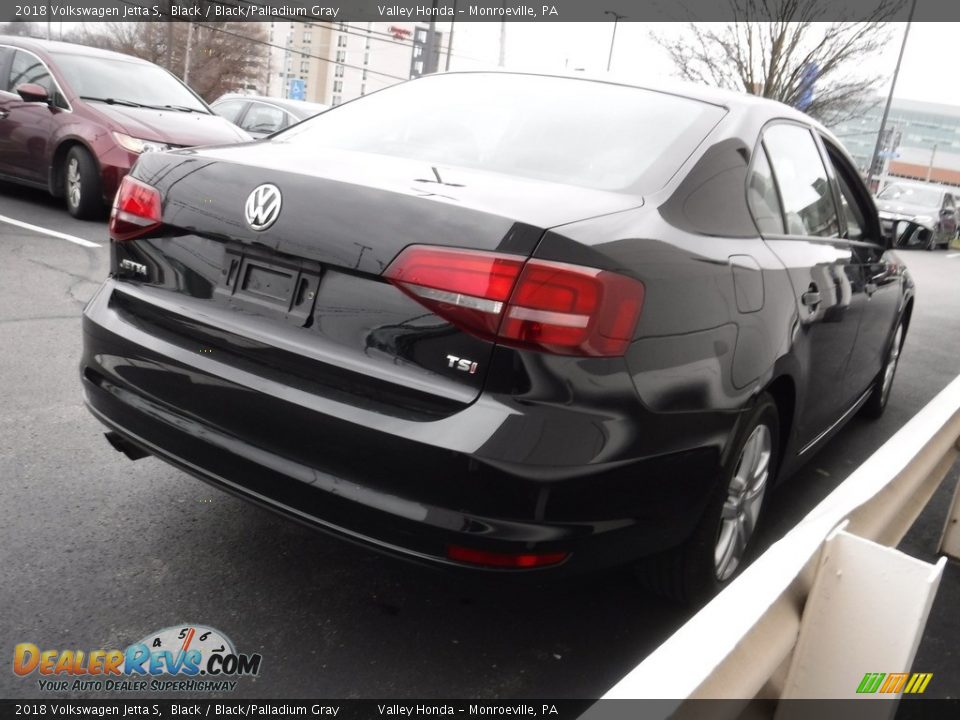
[[97, 552]]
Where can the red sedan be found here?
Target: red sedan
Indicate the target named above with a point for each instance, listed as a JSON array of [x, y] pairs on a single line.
[[74, 119]]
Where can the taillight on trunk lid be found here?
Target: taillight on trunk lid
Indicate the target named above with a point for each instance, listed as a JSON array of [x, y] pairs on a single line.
[[136, 210], [533, 304]]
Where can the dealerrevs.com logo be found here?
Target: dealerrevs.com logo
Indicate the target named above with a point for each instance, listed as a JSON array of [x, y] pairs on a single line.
[[185, 658]]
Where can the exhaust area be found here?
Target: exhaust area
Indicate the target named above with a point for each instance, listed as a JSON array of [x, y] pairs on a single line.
[[121, 444]]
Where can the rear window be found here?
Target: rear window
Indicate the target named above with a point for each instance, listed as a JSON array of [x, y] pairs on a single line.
[[570, 131]]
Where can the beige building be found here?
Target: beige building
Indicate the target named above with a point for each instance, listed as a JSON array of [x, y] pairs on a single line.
[[337, 62]]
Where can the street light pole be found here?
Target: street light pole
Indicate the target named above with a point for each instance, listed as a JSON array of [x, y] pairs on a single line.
[[886, 109], [616, 18]]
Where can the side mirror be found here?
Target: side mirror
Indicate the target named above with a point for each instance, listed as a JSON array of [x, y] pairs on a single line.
[[33, 93]]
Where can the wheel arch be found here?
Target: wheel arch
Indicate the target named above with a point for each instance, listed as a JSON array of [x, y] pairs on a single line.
[[907, 314], [783, 390], [56, 179]]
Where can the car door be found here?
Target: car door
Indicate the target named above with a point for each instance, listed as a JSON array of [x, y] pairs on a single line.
[[948, 218], [6, 55], [878, 267], [26, 126], [824, 273]]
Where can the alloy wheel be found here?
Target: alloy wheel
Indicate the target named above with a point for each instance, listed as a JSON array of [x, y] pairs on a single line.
[[890, 369], [73, 182], [741, 508]]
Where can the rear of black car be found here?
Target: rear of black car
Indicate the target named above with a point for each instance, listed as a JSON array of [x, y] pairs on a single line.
[[350, 324]]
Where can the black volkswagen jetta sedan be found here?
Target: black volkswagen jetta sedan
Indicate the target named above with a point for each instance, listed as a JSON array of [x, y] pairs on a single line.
[[503, 321]]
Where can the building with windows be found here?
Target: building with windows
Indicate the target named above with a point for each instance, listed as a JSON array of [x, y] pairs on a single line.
[[331, 63], [923, 142]]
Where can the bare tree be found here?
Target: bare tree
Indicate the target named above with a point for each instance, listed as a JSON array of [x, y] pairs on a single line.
[[783, 49], [223, 57]]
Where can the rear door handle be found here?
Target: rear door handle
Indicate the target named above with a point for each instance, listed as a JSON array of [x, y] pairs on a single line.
[[811, 298], [3, 114], [871, 288]]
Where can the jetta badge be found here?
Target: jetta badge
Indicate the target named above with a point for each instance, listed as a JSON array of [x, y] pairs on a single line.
[[263, 207]]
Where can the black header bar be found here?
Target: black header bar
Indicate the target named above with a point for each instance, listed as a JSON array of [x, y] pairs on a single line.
[[468, 10]]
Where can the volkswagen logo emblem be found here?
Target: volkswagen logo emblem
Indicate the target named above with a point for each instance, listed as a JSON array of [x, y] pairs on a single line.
[[263, 207]]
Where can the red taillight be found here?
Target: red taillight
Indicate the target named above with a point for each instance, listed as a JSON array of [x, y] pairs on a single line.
[[504, 560], [534, 304], [467, 288], [136, 210]]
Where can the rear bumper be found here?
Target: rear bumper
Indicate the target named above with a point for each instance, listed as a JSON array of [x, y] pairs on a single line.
[[405, 487]]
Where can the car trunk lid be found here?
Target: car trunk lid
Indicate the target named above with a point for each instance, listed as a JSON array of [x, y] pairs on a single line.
[[310, 283]]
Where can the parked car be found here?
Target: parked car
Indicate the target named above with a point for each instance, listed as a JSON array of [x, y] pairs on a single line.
[[505, 322], [925, 215], [74, 119], [262, 116]]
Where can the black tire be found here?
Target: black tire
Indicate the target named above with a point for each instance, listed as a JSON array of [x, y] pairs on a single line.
[[81, 185], [880, 394], [691, 572]]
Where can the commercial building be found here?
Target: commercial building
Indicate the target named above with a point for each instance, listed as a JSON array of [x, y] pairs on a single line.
[[332, 63], [923, 141]]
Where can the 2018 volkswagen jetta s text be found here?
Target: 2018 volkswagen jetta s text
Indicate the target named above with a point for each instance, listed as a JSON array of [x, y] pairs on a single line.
[[503, 321]]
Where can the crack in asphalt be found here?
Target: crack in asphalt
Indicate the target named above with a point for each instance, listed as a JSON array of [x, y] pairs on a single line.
[[77, 278]]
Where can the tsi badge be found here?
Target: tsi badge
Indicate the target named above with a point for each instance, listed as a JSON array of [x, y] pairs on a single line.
[[461, 364]]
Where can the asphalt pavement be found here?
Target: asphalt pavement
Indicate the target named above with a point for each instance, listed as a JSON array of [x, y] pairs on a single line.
[[97, 551]]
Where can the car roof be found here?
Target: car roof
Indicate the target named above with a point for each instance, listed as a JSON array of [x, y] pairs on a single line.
[[55, 46], [301, 108], [919, 184]]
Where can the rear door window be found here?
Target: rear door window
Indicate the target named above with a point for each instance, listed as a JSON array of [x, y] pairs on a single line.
[[808, 204], [230, 109], [5, 54], [762, 195], [262, 118], [853, 214]]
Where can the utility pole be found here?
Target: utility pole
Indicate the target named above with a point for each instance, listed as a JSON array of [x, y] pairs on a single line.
[[503, 44], [169, 64], [617, 17], [186, 59], [933, 156], [430, 49], [886, 109], [450, 37]]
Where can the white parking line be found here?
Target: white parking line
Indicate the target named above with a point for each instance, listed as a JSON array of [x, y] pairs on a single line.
[[51, 233]]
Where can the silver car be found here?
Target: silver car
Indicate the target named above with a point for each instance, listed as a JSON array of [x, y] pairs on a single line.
[[262, 116], [921, 215]]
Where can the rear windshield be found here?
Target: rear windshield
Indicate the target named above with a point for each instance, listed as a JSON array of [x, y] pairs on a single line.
[[125, 81], [576, 132]]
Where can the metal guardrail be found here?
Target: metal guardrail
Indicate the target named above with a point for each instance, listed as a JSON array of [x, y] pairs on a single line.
[[832, 599]]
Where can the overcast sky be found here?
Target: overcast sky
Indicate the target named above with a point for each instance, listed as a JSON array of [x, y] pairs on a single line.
[[930, 69]]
